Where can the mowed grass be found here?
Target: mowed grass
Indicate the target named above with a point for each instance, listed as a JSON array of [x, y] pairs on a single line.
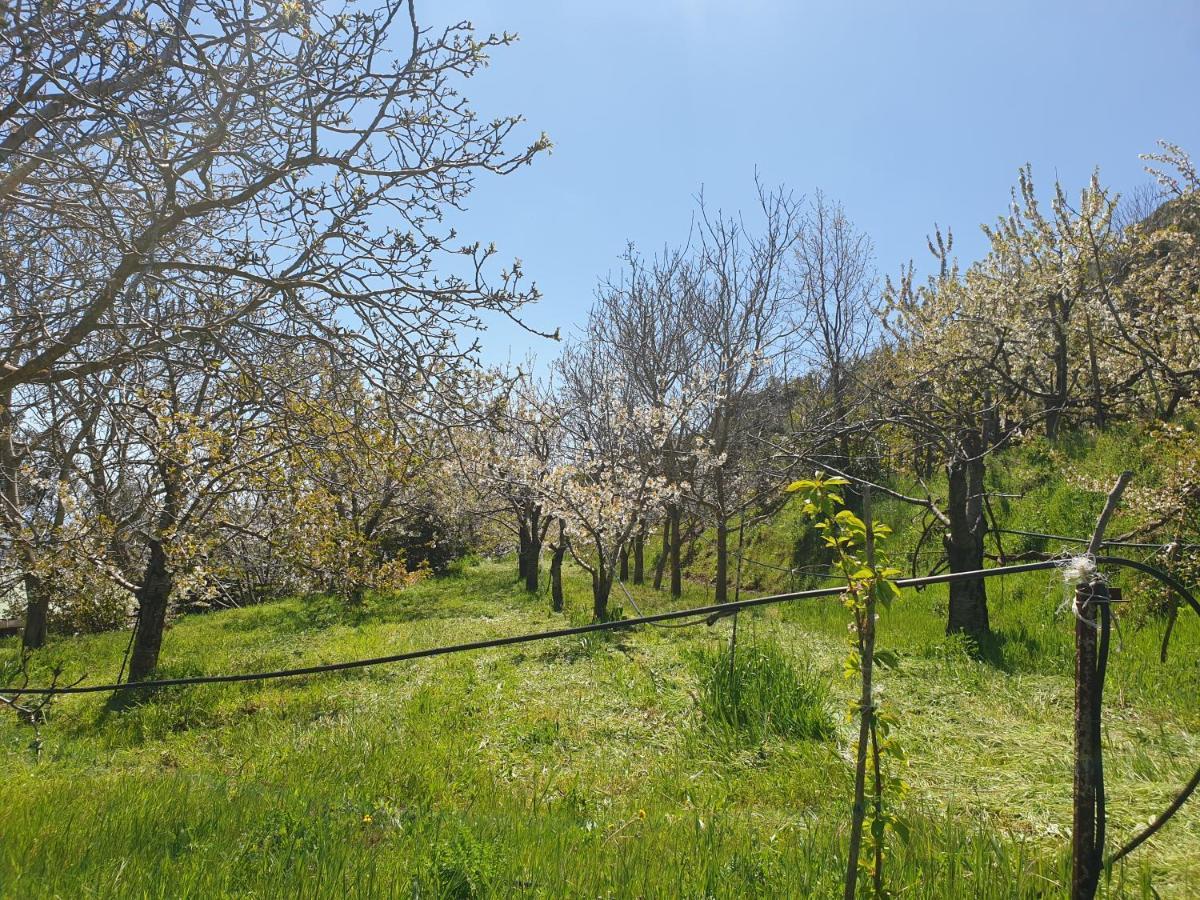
[[584, 767]]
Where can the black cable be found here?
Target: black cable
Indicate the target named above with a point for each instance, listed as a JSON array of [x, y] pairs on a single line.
[[717, 609], [638, 610], [1188, 789], [1085, 541]]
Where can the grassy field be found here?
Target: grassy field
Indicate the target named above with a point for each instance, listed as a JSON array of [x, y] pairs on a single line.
[[594, 767], [606, 766]]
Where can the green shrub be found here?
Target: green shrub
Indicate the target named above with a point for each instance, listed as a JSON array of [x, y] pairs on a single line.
[[761, 693]]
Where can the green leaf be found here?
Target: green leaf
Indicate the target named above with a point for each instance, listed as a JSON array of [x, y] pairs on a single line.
[[849, 520], [804, 484]]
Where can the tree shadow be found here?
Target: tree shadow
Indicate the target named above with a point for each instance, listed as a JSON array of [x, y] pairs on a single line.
[[1006, 650]]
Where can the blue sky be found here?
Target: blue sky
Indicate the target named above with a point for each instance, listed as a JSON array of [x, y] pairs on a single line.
[[908, 113]]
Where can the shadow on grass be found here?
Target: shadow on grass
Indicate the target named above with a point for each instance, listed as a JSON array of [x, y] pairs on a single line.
[[1010, 651]]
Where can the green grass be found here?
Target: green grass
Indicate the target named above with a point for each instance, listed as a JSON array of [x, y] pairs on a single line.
[[611, 765], [583, 767]]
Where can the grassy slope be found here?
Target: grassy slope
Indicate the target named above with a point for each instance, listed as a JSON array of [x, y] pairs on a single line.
[[584, 767]]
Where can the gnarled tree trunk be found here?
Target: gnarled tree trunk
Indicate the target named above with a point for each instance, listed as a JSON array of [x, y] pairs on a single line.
[[661, 566], [602, 580], [37, 612], [153, 597], [964, 540]]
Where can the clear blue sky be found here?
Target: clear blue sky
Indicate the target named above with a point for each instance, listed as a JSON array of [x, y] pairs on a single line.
[[907, 112]]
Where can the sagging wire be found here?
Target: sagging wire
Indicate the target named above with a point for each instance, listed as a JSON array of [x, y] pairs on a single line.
[[714, 611]]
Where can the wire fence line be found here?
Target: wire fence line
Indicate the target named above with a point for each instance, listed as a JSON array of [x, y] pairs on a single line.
[[1114, 543], [709, 614]]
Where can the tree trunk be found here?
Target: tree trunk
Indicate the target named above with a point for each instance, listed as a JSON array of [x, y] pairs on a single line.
[[523, 551], [1099, 418], [639, 554], [1056, 404], [964, 540], [839, 414], [601, 586], [11, 516], [556, 561], [676, 550], [661, 565], [624, 558], [37, 612], [722, 576], [534, 560], [532, 565], [152, 597]]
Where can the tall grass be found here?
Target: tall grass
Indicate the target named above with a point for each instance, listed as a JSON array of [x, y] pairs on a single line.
[[754, 690]]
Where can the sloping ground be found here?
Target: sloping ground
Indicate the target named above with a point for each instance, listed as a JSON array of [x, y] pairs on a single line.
[[582, 767]]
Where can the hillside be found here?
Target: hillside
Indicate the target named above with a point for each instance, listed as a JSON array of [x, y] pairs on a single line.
[[494, 773]]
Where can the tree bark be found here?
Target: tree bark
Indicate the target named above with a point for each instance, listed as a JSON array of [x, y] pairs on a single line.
[[676, 551], [639, 554], [533, 546], [661, 565], [153, 597], [556, 561], [624, 562], [964, 541], [601, 587], [523, 550], [532, 566], [722, 576], [37, 612]]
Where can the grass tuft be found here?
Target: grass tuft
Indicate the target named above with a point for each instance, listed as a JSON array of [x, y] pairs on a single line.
[[756, 692]]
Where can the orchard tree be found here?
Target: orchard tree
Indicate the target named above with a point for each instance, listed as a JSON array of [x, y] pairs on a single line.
[[513, 458], [640, 325], [607, 479], [749, 320], [838, 290], [353, 467], [1153, 306], [195, 174], [1047, 275], [942, 394], [299, 157]]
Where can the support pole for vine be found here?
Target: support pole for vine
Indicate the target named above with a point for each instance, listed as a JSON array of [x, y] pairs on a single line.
[[865, 711], [1092, 620]]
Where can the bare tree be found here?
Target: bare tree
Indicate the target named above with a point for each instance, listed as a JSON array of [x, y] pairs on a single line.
[[641, 325], [286, 155], [749, 318], [838, 289]]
